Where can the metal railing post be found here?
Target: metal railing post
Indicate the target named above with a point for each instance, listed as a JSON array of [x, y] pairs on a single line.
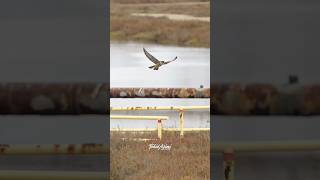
[[181, 122], [159, 129], [228, 164]]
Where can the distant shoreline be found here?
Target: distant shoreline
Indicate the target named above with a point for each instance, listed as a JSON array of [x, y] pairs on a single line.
[[190, 26]]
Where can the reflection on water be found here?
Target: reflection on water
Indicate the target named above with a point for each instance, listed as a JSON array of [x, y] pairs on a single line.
[[195, 118], [129, 66]]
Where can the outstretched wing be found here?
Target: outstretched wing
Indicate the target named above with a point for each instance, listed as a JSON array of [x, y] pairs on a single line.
[[150, 57], [171, 60]]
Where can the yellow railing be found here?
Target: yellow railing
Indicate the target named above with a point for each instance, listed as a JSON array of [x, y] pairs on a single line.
[[52, 175], [181, 110], [158, 118], [52, 149]]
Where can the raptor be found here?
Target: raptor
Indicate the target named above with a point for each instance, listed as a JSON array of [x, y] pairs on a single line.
[[157, 63]]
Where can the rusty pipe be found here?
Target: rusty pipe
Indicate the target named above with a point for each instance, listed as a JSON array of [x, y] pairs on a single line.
[[160, 93], [53, 98], [265, 99], [93, 98]]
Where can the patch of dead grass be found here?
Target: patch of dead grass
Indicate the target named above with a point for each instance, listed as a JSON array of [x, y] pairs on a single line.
[[125, 27], [188, 158], [160, 31], [153, 1]]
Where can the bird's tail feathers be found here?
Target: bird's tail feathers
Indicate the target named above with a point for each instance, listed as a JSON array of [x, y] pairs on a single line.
[[173, 59], [152, 66]]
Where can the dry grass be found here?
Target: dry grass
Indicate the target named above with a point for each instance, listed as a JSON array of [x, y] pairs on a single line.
[[124, 27], [198, 10], [153, 1], [188, 158]]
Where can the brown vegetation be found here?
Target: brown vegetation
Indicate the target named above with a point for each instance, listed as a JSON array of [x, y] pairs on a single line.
[[198, 10], [154, 1], [125, 27], [188, 158]]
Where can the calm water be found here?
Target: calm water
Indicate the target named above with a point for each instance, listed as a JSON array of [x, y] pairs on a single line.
[[198, 118], [129, 68]]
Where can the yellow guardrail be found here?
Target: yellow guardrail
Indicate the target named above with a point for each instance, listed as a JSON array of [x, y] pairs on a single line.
[[305, 145], [158, 118], [53, 149], [181, 110], [52, 175], [154, 129], [139, 117]]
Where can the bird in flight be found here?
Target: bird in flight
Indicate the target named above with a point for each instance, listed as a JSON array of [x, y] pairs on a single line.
[[156, 61]]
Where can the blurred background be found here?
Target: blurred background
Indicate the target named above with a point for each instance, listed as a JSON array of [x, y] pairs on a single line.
[[49, 42], [266, 86]]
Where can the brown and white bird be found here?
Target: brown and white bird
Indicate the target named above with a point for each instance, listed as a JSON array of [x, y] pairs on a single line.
[[157, 62]]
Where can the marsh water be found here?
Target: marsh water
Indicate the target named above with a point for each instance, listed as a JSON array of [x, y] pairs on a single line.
[[129, 68]]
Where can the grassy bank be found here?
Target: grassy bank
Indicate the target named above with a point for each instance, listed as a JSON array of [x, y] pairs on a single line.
[[125, 27], [187, 159]]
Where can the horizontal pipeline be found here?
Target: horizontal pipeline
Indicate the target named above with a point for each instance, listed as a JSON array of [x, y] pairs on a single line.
[[53, 98], [265, 99], [311, 145], [177, 108], [92, 98], [53, 149], [160, 93], [78, 98], [52, 175]]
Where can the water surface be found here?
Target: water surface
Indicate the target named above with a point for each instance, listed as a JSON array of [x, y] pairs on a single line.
[[129, 66]]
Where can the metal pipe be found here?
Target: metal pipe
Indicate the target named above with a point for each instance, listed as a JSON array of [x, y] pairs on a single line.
[[53, 98], [158, 118], [53, 149], [181, 122], [181, 110], [52, 175], [311, 145], [139, 117], [265, 99], [153, 108], [187, 129], [159, 129], [160, 93], [226, 99]]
